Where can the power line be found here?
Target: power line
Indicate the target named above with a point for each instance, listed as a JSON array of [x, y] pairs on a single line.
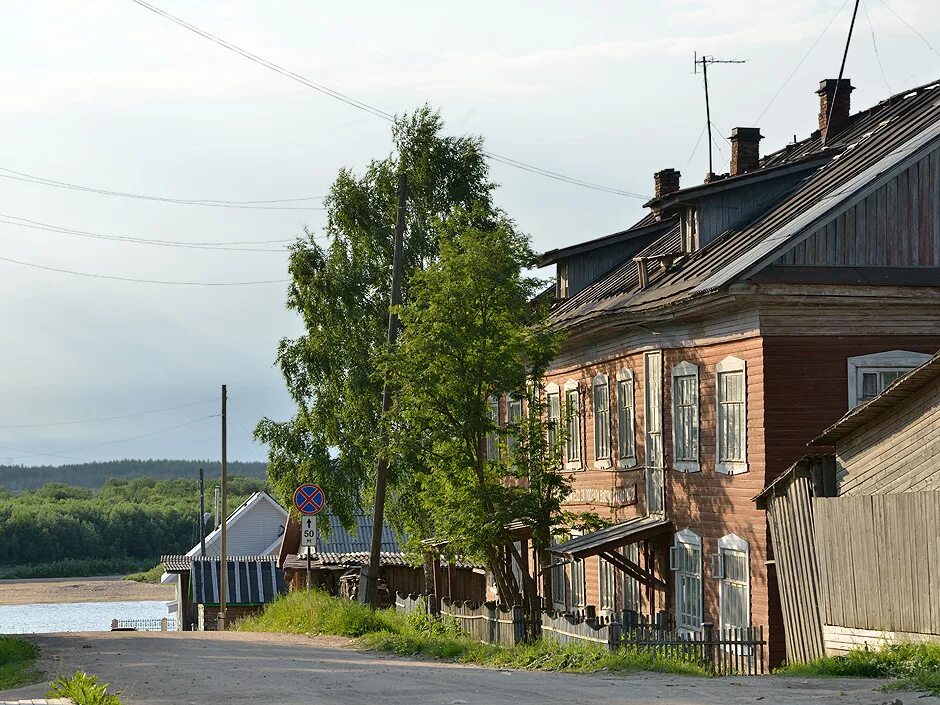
[[136, 280], [372, 110], [801, 62], [874, 45], [110, 418], [910, 27], [108, 443], [62, 230], [249, 205]]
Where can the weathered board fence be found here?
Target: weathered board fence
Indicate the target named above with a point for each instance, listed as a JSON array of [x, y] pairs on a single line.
[[720, 651], [879, 562]]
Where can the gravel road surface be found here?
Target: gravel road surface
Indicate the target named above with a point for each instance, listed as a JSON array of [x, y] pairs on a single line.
[[267, 669]]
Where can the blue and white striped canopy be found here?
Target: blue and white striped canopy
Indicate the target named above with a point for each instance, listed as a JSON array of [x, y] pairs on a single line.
[[250, 582]]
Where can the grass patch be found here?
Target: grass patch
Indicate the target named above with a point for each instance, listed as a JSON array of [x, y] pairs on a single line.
[[147, 576], [17, 663], [83, 690], [910, 666], [315, 612]]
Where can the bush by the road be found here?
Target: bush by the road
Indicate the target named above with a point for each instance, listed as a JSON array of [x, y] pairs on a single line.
[[17, 663], [147, 576], [315, 612], [911, 666], [82, 689]]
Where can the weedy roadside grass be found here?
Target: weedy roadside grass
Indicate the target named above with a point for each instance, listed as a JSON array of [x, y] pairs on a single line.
[[82, 689], [909, 666], [147, 576], [18, 663], [315, 612]]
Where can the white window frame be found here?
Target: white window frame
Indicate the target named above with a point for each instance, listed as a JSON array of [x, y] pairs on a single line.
[[890, 360], [553, 420], [630, 590], [732, 542], [512, 437], [563, 280], [730, 467], [578, 584], [492, 438], [601, 461], [687, 577], [685, 369], [606, 585], [628, 424], [573, 438]]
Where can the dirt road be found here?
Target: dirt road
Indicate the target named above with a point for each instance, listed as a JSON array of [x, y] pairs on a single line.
[[52, 590], [266, 669]]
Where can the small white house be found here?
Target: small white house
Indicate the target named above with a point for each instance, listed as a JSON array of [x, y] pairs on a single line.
[[254, 529]]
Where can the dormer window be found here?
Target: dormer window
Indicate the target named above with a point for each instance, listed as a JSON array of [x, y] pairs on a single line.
[[562, 280], [689, 226]]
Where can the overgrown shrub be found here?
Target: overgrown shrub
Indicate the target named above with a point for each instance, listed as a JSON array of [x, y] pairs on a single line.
[[82, 689]]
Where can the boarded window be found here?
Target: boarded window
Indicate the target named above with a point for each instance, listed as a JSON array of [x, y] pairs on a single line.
[[601, 418]]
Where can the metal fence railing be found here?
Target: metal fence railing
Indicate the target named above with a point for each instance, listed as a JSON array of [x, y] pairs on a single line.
[[144, 625]]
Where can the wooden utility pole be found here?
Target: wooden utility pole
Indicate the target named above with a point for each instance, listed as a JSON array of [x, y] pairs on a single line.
[[223, 558], [202, 514], [369, 579]]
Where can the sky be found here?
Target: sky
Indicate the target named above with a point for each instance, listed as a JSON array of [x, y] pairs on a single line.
[[107, 94]]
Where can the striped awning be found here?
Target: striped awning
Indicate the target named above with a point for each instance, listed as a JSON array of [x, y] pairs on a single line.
[[250, 582]]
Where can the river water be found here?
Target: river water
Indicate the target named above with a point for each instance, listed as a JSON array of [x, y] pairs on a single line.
[[74, 616]]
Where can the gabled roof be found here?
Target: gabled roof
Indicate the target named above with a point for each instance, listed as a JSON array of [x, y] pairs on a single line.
[[899, 390], [341, 543], [238, 515], [872, 144]]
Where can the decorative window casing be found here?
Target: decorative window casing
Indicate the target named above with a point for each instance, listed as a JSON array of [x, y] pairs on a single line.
[[492, 439], [685, 560], [685, 417], [689, 228], [731, 416], [870, 375], [578, 584], [731, 567], [513, 417], [606, 585], [553, 415], [600, 392], [573, 425], [653, 416], [626, 420]]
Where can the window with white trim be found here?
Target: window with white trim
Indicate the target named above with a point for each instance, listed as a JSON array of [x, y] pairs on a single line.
[[870, 375], [553, 414], [558, 585], [630, 587], [573, 422], [626, 420], [492, 440], [513, 417], [689, 228], [601, 394], [578, 586], [685, 431], [731, 567], [685, 560], [606, 590], [731, 416]]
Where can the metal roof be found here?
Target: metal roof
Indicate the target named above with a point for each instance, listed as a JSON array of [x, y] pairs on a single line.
[[613, 537], [250, 582], [182, 563], [647, 225], [899, 390], [887, 135], [340, 541]]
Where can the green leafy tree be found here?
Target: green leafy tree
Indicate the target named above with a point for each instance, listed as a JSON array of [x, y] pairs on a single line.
[[341, 290], [471, 333]]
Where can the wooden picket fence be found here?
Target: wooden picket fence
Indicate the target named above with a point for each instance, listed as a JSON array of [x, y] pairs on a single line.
[[733, 651]]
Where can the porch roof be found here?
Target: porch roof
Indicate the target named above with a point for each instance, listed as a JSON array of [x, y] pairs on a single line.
[[613, 537]]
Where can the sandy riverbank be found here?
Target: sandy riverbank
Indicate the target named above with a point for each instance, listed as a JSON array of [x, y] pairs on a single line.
[[105, 589]]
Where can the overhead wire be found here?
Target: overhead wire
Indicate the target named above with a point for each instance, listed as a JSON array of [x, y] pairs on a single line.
[[137, 280], [910, 27], [249, 205], [874, 45], [108, 418], [372, 110]]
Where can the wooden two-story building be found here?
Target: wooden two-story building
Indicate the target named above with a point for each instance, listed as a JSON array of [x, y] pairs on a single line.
[[709, 343]]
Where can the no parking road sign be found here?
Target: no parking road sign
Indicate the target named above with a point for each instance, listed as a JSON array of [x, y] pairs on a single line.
[[309, 499]]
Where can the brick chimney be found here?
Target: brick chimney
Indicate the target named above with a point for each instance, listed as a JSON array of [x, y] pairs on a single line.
[[745, 149], [838, 103], [666, 182]]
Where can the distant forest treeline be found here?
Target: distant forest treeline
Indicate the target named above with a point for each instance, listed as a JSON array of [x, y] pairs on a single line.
[[59, 530], [94, 475]]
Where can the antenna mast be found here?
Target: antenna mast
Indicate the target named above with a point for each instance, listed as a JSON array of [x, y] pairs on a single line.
[[705, 61]]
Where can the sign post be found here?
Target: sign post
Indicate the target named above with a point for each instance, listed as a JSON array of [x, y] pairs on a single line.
[[309, 500]]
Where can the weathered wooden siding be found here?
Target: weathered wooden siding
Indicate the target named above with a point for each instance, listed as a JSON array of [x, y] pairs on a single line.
[[879, 561], [790, 519], [899, 452], [726, 209], [589, 266], [897, 225]]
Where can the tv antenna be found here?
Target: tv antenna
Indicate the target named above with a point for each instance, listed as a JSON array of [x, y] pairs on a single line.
[[705, 60]]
